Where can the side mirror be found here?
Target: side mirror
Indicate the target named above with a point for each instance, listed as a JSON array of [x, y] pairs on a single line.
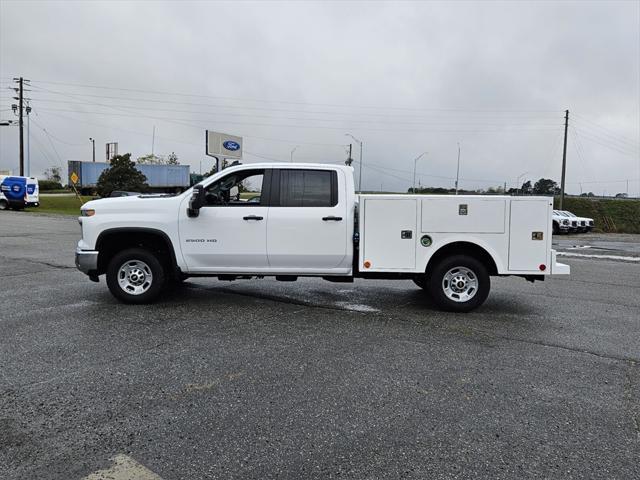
[[196, 202]]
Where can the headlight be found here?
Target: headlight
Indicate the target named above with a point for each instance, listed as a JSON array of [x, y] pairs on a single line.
[[87, 212], [565, 222]]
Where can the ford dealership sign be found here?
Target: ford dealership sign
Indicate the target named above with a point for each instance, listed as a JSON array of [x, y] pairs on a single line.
[[231, 145], [223, 145]]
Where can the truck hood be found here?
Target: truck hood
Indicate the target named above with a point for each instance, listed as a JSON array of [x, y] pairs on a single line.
[[133, 204]]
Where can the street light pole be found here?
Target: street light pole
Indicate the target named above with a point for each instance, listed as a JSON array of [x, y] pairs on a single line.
[[458, 170], [360, 174], [294, 149], [415, 163], [28, 110]]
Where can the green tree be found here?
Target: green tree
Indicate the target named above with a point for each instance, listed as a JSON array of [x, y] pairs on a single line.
[[172, 159], [53, 174], [150, 159], [225, 164], [526, 188], [545, 186], [121, 175]]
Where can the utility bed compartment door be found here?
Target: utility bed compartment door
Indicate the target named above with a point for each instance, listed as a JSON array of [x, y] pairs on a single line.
[[527, 217], [389, 236], [450, 214]]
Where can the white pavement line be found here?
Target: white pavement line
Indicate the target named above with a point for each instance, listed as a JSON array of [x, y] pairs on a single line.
[[123, 468], [605, 257]]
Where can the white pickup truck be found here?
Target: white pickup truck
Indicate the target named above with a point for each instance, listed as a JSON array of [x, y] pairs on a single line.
[[308, 221]]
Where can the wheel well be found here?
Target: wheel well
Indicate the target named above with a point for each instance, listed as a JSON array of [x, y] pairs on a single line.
[[113, 241], [464, 248]]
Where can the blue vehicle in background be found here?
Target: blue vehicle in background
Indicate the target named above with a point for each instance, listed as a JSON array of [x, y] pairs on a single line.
[[18, 192]]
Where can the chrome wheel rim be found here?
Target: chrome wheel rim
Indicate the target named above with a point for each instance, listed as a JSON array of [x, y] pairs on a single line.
[[135, 277], [460, 284]]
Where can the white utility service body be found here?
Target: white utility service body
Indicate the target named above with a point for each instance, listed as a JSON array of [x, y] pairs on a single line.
[[308, 221]]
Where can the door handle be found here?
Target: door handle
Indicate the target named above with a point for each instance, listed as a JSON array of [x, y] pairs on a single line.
[[332, 218], [252, 217]]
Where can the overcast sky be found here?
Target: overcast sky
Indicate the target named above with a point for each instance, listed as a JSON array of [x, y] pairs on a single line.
[[404, 78]]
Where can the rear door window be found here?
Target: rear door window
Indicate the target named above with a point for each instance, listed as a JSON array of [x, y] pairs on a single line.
[[307, 188]]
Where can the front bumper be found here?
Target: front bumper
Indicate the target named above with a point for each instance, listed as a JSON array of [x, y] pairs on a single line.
[[87, 261]]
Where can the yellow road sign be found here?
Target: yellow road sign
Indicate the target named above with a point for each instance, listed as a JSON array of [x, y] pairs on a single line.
[[74, 177]]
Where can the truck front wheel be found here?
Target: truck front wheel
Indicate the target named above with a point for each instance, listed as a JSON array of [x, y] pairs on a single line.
[[459, 283], [135, 275]]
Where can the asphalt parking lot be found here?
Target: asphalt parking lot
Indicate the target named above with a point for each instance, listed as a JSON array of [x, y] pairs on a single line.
[[262, 379]]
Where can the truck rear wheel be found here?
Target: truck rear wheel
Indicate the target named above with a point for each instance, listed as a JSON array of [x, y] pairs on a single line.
[[135, 276], [4, 205], [459, 283]]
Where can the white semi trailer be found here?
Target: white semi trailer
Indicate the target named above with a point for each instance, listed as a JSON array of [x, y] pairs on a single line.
[[307, 220]]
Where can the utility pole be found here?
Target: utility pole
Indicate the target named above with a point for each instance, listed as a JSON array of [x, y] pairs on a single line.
[[458, 171], [153, 140], [564, 158], [360, 174], [93, 142], [504, 189], [349, 159], [20, 81]]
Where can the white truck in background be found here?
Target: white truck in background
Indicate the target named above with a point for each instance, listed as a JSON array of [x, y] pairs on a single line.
[[308, 221]]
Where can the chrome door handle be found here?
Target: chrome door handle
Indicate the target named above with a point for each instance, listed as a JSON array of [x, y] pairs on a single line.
[[332, 218], [252, 217]]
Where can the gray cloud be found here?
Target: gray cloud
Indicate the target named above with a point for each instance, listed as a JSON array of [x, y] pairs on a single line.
[[403, 77]]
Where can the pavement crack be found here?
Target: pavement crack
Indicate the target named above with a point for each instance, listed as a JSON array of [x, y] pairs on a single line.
[[39, 262], [556, 345]]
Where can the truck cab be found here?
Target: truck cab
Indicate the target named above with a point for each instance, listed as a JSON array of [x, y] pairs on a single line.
[[306, 220]]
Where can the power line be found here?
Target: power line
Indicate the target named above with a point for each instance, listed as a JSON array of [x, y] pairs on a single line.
[[508, 123], [157, 92], [269, 109], [609, 131], [188, 122], [57, 139], [605, 144], [625, 145]]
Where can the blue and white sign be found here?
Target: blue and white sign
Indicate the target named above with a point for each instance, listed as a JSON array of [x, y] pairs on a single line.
[[231, 145], [223, 145]]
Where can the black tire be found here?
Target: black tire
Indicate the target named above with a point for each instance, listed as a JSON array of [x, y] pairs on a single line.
[[175, 281], [475, 270], [556, 229], [4, 205], [142, 256], [421, 281]]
